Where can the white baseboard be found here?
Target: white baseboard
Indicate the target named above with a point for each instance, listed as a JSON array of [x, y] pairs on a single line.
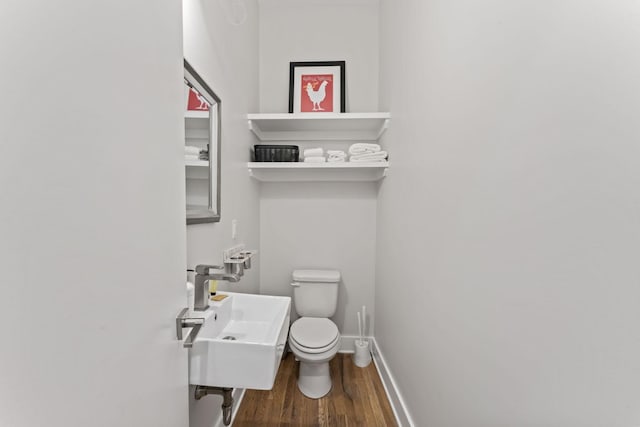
[[393, 393], [237, 394]]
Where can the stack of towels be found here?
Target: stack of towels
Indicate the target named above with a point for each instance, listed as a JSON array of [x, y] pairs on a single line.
[[360, 152], [195, 153], [314, 155], [365, 153], [336, 156]]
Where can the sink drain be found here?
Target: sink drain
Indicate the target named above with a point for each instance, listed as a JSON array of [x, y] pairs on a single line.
[[229, 337]]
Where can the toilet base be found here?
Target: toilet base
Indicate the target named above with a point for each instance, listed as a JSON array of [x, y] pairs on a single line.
[[314, 379]]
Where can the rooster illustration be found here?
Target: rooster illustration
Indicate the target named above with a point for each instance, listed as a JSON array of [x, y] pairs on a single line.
[[204, 105], [317, 96]]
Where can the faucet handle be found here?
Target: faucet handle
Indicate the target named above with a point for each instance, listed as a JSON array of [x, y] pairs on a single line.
[[183, 321], [204, 269]]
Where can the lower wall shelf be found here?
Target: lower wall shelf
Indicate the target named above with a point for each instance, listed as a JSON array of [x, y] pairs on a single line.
[[317, 172]]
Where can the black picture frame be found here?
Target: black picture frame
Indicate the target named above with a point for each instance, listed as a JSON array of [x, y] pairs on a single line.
[[337, 68]]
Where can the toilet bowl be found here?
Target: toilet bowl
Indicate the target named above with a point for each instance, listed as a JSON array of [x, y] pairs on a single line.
[[314, 339], [314, 342]]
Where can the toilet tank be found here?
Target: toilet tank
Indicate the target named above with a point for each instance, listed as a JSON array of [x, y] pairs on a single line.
[[315, 292]]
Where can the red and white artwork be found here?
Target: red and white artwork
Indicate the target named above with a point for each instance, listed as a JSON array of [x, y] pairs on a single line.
[[316, 93], [196, 101]]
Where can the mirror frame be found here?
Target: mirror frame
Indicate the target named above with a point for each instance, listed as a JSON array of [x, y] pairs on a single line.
[[192, 78]]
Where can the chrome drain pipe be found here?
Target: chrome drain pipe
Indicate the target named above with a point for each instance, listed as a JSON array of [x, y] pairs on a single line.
[[227, 399]]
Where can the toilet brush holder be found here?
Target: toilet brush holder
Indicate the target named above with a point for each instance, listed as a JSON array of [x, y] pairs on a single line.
[[362, 356]]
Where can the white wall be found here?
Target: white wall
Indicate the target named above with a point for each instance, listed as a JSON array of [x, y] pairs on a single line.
[[226, 56], [321, 225], [515, 125], [92, 256], [319, 30]]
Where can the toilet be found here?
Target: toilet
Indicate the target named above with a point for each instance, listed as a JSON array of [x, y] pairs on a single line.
[[314, 339]]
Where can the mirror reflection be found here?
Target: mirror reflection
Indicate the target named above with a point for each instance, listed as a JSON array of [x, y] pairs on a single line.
[[202, 149]]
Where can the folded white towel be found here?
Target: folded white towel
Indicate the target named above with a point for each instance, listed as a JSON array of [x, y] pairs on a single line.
[[313, 152], [191, 157], [362, 148], [314, 160], [369, 157], [190, 149], [337, 153], [377, 154], [337, 156]]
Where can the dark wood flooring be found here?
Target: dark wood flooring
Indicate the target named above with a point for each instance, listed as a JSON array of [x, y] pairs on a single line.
[[356, 399]]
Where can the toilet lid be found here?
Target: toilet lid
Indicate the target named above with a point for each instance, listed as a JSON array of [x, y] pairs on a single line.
[[314, 332]]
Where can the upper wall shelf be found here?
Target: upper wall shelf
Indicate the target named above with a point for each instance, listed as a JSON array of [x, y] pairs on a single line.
[[319, 127]]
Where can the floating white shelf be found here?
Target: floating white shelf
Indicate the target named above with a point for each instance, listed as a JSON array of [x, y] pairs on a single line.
[[191, 114], [318, 172], [197, 169], [319, 126], [197, 163]]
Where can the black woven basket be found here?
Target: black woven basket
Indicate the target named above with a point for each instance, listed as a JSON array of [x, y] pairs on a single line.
[[276, 153]]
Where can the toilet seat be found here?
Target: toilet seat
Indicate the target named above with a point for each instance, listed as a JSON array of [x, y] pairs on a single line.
[[311, 352], [314, 335]]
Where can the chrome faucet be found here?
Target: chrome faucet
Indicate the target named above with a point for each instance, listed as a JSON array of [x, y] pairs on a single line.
[[201, 282], [195, 323]]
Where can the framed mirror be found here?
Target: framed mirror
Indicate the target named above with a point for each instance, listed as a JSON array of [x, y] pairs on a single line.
[[202, 125]]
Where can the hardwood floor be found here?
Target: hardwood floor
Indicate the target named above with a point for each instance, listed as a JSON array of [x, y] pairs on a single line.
[[356, 399]]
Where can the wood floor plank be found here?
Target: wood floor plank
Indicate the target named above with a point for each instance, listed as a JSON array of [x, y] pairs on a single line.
[[357, 398], [384, 406]]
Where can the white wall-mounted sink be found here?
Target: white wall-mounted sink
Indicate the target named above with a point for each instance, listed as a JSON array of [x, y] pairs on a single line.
[[241, 342]]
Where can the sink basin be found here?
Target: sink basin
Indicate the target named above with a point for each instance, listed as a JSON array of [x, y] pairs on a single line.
[[241, 342]]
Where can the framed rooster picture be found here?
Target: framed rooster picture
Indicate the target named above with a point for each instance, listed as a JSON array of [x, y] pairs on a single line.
[[316, 87]]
